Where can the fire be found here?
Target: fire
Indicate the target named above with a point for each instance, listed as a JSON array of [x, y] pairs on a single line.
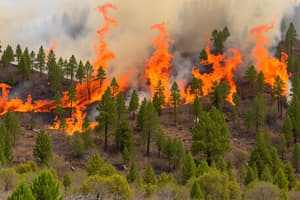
[[157, 67], [52, 47], [223, 69], [270, 66]]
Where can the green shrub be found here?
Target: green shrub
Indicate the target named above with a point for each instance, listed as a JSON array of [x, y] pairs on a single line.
[[29, 166], [8, 179]]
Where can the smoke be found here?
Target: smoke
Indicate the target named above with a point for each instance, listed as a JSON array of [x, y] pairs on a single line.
[[73, 25]]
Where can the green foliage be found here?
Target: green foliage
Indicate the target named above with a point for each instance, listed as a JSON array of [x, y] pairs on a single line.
[[114, 86], [78, 146], [8, 179], [71, 68], [188, 168], [195, 192], [151, 125], [202, 168], [80, 75], [211, 135], [94, 165], [121, 107], [42, 150], [132, 174], [290, 175], [134, 103], [175, 99], [203, 55], [45, 187], [290, 38], [101, 76], [55, 73], [219, 37], [87, 139], [296, 157], [257, 190], [12, 124], [124, 136], [72, 95], [149, 176], [252, 175], [88, 71], [197, 108], [260, 81], [267, 175], [251, 76], [29, 166], [125, 155], [277, 91], [67, 181], [280, 180], [287, 131], [218, 186], [294, 113], [19, 52], [282, 146], [174, 151], [219, 94], [6, 154], [107, 114], [24, 66], [41, 60], [115, 184], [258, 111], [142, 114], [196, 86], [22, 191], [159, 98]]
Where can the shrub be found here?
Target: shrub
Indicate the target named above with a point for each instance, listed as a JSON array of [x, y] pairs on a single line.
[[8, 179]]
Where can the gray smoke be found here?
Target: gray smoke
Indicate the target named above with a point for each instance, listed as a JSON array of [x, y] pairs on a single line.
[[73, 25]]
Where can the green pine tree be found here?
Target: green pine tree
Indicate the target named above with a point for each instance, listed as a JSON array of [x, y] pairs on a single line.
[[251, 77], [149, 176], [101, 76], [196, 108], [287, 131], [159, 99], [72, 95], [280, 180], [12, 124], [42, 150], [175, 100], [195, 192], [290, 175], [296, 157], [114, 86], [134, 103], [121, 106], [22, 191], [132, 174], [141, 115], [196, 86], [94, 165], [188, 168], [71, 68], [88, 71], [80, 75], [67, 181]]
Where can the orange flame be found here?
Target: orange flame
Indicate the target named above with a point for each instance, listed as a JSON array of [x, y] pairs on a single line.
[[52, 47], [270, 66], [220, 72], [157, 67]]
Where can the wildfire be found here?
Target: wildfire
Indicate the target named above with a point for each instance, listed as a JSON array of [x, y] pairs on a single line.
[[223, 69], [157, 67], [270, 66], [52, 47]]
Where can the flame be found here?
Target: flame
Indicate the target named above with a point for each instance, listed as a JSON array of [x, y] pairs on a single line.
[[270, 66], [52, 47], [223, 69], [157, 67]]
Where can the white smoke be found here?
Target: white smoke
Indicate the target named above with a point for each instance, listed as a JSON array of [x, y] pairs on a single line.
[[73, 25]]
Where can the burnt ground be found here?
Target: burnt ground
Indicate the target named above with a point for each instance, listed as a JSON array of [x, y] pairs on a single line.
[[242, 140]]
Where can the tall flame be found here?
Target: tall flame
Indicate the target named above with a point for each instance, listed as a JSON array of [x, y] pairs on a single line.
[[270, 66], [157, 67]]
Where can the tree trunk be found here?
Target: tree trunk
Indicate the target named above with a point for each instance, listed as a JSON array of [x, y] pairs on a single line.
[[148, 144], [105, 136]]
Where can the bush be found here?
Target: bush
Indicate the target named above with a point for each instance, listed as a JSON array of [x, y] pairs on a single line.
[[256, 190], [29, 166], [8, 179], [106, 186], [22, 192]]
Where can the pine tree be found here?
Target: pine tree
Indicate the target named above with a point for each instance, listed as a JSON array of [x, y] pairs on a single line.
[[86, 124], [141, 115], [101, 76], [277, 92], [175, 99], [210, 135], [290, 175], [125, 155], [195, 192], [196, 108], [22, 191], [124, 136], [251, 77], [6, 145], [32, 59], [4, 59], [71, 68], [173, 150], [149, 176], [283, 29], [67, 181], [151, 125], [287, 131], [19, 53], [296, 157], [159, 99], [280, 180], [24, 67], [59, 110], [55, 75], [94, 165], [290, 38], [260, 81], [114, 86], [12, 124], [45, 187], [196, 87], [42, 150], [41, 60], [9, 53], [188, 168], [134, 103], [132, 174], [219, 93], [107, 114], [72, 95], [203, 55], [80, 75], [77, 145], [266, 174], [121, 107], [282, 146], [258, 109], [251, 175], [294, 113], [88, 69]]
